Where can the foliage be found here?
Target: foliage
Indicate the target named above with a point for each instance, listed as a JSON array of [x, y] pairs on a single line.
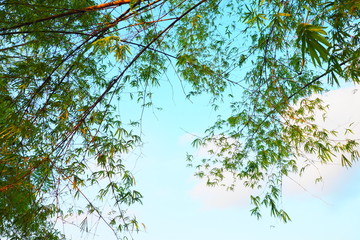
[[60, 132]]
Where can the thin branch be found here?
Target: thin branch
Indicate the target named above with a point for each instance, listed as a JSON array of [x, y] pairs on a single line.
[[318, 78], [15, 46], [72, 12], [150, 48], [43, 31]]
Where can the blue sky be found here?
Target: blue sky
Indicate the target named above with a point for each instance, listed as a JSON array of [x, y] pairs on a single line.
[[179, 206]]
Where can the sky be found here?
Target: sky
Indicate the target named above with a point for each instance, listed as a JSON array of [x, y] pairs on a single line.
[[179, 206], [176, 205]]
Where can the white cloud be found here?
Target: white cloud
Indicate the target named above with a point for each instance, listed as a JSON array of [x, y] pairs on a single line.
[[344, 105], [333, 177], [344, 109]]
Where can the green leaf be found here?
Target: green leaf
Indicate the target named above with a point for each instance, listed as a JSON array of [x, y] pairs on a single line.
[[313, 43], [345, 162]]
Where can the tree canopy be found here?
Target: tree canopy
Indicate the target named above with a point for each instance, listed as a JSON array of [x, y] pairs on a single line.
[[65, 63]]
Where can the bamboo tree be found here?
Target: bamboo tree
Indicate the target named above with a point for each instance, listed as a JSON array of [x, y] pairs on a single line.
[[57, 99]]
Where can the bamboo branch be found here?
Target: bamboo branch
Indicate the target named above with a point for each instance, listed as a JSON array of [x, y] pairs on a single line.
[[71, 12]]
